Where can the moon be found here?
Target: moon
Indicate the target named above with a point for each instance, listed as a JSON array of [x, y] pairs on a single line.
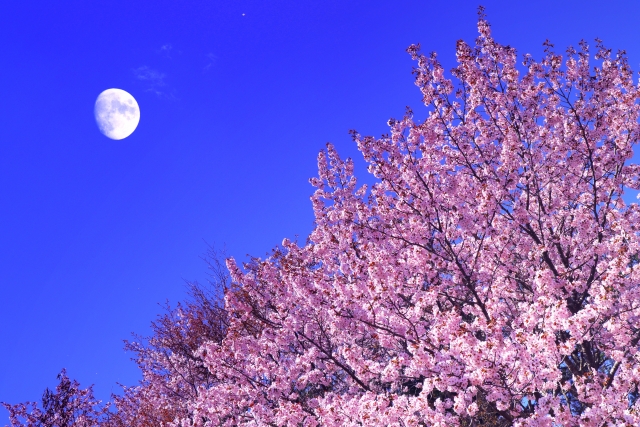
[[117, 113]]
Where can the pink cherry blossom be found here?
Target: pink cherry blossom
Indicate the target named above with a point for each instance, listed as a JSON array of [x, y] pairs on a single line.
[[490, 275]]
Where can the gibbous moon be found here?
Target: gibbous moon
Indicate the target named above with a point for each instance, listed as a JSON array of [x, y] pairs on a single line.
[[117, 113]]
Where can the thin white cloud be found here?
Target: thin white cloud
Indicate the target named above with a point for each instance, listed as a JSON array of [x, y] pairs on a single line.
[[211, 60], [154, 81], [166, 50], [149, 75]]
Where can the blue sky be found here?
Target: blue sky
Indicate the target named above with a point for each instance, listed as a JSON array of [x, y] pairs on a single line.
[[236, 99]]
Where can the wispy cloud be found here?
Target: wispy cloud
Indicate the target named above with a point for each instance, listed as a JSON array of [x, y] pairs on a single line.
[[211, 60], [166, 50], [154, 81], [149, 75]]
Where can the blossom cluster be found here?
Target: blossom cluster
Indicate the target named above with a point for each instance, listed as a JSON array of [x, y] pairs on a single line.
[[491, 273]]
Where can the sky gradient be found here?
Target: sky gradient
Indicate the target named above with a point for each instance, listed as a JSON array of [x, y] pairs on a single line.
[[236, 100]]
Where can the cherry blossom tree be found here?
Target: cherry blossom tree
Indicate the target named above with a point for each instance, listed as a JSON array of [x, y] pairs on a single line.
[[68, 406], [489, 277]]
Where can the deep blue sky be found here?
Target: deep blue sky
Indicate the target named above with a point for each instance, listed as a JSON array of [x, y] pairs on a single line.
[[236, 99]]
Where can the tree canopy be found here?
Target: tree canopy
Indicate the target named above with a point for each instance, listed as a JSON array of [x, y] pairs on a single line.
[[491, 270]]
